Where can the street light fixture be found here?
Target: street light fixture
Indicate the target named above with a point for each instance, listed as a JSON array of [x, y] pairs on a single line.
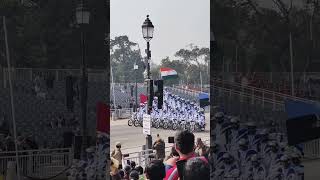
[[147, 32], [82, 14], [147, 29], [83, 17]]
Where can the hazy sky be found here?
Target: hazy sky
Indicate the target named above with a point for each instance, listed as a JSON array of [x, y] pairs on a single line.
[[177, 23]]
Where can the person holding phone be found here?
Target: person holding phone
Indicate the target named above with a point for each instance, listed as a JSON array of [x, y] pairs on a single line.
[[184, 145]]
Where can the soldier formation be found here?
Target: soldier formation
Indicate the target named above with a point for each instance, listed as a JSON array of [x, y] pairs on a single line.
[[176, 113], [245, 152]]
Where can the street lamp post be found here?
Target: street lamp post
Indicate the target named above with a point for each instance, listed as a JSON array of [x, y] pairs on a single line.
[[147, 32], [82, 17], [135, 67]]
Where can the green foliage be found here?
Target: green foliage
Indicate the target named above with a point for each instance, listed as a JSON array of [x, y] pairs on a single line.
[[123, 56], [44, 34], [261, 36]]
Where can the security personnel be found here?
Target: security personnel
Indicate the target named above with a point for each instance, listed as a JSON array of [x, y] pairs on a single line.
[[230, 167], [251, 127], [219, 135], [258, 171]]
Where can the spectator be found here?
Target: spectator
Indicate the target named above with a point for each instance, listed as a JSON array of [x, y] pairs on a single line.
[[184, 144], [117, 154], [197, 168], [159, 146], [121, 173], [171, 159], [134, 175], [172, 154], [201, 148], [127, 170], [155, 170], [140, 170], [133, 164]]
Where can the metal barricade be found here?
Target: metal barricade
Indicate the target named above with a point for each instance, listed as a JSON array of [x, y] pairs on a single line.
[[38, 163], [312, 149], [121, 113], [141, 158]]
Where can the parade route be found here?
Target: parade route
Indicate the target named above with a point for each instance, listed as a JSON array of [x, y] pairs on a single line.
[[132, 137]]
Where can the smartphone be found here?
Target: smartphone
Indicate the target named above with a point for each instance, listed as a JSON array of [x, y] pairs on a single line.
[[171, 139]]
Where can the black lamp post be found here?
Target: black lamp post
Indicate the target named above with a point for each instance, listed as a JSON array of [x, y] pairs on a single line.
[[147, 32], [82, 17]]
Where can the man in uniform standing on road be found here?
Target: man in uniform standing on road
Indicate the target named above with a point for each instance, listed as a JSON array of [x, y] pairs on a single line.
[[159, 146]]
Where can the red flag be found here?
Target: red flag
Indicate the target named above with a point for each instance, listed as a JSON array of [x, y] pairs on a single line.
[[143, 98], [103, 118]]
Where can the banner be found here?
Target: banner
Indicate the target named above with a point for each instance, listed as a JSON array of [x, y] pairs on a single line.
[[103, 118], [297, 109], [204, 99]]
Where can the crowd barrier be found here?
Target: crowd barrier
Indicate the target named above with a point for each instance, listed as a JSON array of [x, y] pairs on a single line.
[[43, 163], [142, 158], [121, 113]]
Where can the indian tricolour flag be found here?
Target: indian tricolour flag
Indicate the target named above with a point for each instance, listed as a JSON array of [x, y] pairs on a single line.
[[168, 73]]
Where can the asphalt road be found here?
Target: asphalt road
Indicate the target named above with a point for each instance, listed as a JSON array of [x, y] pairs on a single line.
[[132, 137], [312, 169]]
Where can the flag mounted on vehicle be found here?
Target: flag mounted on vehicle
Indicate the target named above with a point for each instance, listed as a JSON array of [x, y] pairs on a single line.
[[168, 73]]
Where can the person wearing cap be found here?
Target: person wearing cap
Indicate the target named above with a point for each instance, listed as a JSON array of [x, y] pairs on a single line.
[[280, 169], [252, 129], [230, 166], [272, 154], [159, 146], [218, 131], [117, 154], [232, 133], [242, 152], [258, 170]]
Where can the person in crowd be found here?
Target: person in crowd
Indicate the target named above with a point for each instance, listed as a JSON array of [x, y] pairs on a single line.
[[127, 170], [184, 144], [159, 146], [197, 168], [201, 148], [133, 164], [121, 173], [155, 170], [140, 170], [134, 175], [170, 160], [117, 154]]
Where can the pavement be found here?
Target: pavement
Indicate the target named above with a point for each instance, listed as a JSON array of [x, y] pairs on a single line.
[[311, 169], [132, 137]]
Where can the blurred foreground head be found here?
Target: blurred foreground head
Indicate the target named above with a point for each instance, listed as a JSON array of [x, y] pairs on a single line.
[[184, 142]]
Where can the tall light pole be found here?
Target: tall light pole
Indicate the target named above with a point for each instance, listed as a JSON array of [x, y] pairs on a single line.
[[135, 67], [147, 32], [82, 17]]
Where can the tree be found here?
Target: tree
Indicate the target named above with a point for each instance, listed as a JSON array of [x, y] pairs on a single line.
[[198, 56], [123, 55], [44, 34]]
